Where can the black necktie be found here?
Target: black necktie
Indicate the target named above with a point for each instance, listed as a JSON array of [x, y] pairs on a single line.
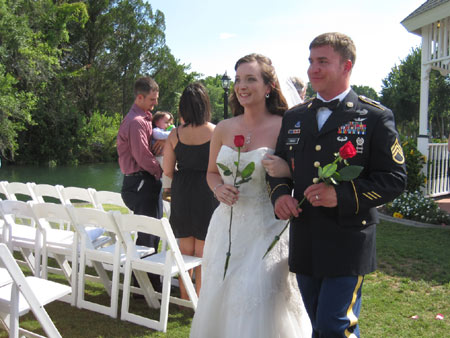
[[318, 103]]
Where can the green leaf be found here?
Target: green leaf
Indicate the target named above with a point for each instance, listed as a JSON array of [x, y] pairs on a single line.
[[222, 166], [227, 172], [350, 172], [337, 176], [236, 163], [248, 170], [320, 171], [328, 170], [244, 180]]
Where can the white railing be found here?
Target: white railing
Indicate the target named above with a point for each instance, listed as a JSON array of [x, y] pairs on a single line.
[[438, 182]]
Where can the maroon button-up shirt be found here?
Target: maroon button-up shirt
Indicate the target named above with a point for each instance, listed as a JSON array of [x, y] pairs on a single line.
[[134, 142]]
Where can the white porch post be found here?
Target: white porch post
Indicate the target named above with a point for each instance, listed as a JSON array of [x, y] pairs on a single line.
[[422, 140]]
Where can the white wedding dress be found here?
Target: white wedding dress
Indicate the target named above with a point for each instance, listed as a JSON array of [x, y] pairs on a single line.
[[258, 298]]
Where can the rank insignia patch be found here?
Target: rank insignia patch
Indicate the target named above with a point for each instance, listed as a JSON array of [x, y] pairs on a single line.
[[297, 125], [397, 153]]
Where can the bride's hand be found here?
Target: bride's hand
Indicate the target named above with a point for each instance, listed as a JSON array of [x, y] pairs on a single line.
[[275, 166], [227, 194]]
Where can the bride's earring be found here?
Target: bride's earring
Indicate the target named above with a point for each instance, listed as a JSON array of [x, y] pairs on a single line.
[[267, 95]]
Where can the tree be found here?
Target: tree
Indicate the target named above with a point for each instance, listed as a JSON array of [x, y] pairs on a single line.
[[366, 91], [401, 92], [216, 94], [96, 56], [172, 77], [30, 35]]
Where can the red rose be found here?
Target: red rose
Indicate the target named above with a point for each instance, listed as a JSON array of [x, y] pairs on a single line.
[[347, 151], [239, 141]]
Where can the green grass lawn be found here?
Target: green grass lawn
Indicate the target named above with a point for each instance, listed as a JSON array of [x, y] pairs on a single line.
[[413, 278]]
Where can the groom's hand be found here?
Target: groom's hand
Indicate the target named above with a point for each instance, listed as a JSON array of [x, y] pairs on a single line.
[[286, 206], [321, 195]]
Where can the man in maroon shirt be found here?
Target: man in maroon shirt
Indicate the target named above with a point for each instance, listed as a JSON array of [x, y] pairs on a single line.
[[141, 188]]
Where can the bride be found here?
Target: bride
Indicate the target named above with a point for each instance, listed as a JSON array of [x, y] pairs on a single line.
[[257, 298]]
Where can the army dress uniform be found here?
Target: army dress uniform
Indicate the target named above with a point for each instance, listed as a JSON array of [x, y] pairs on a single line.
[[331, 249], [339, 241]]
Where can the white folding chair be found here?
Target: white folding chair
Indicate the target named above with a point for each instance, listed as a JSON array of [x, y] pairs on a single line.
[[17, 189], [103, 198], [20, 294], [61, 244], [165, 263], [112, 257], [3, 190], [71, 195], [46, 192], [87, 217], [20, 231]]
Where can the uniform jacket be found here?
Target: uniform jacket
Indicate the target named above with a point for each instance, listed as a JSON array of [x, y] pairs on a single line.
[[339, 241]]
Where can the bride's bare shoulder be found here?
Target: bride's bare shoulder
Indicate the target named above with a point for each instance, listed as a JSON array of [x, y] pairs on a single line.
[[275, 120], [228, 124]]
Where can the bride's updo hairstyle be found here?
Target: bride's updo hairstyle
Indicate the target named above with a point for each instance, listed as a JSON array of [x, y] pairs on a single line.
[[276, 103]]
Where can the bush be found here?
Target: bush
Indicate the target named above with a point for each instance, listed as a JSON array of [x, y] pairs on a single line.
[[416, 207], [98, 138], [415, 161]]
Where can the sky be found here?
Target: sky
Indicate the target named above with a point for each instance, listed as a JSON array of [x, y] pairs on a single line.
[[212, 35]]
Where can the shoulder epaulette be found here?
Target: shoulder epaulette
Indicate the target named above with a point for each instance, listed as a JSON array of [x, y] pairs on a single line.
[[371, 102]]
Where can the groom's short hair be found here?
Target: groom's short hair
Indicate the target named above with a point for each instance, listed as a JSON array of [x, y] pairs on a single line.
[[341, 43]]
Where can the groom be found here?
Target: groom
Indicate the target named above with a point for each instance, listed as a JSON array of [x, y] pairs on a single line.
[[332, 237]]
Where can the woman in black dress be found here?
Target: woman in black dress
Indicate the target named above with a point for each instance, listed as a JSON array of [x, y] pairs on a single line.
[[186, 157]]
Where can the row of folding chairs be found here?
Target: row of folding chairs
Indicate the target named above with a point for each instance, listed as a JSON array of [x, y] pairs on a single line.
[[121, 254], [36, 233], [40, 193], [59, 194]]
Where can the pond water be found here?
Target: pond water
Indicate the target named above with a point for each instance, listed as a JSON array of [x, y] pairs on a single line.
[[100, 176]]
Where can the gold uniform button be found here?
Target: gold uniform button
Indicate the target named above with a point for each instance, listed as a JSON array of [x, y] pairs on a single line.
[[318, 147], [315, 180], [317, 164], [364, 222], [290, 147]]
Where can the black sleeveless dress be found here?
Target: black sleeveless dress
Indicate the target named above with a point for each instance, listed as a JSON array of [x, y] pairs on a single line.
[[192, 202]]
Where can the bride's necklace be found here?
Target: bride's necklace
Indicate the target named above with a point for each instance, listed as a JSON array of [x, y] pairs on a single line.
[[248, 135]]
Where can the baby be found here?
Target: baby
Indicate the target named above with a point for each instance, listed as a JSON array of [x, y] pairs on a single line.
[[162, 125]]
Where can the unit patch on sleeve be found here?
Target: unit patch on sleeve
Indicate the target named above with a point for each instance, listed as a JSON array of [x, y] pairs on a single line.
[[397, 153]]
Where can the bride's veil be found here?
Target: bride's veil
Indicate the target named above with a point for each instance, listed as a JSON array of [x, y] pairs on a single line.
[[290, 92]]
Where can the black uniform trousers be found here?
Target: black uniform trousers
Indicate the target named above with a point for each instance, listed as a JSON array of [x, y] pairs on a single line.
[[141, 193]]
